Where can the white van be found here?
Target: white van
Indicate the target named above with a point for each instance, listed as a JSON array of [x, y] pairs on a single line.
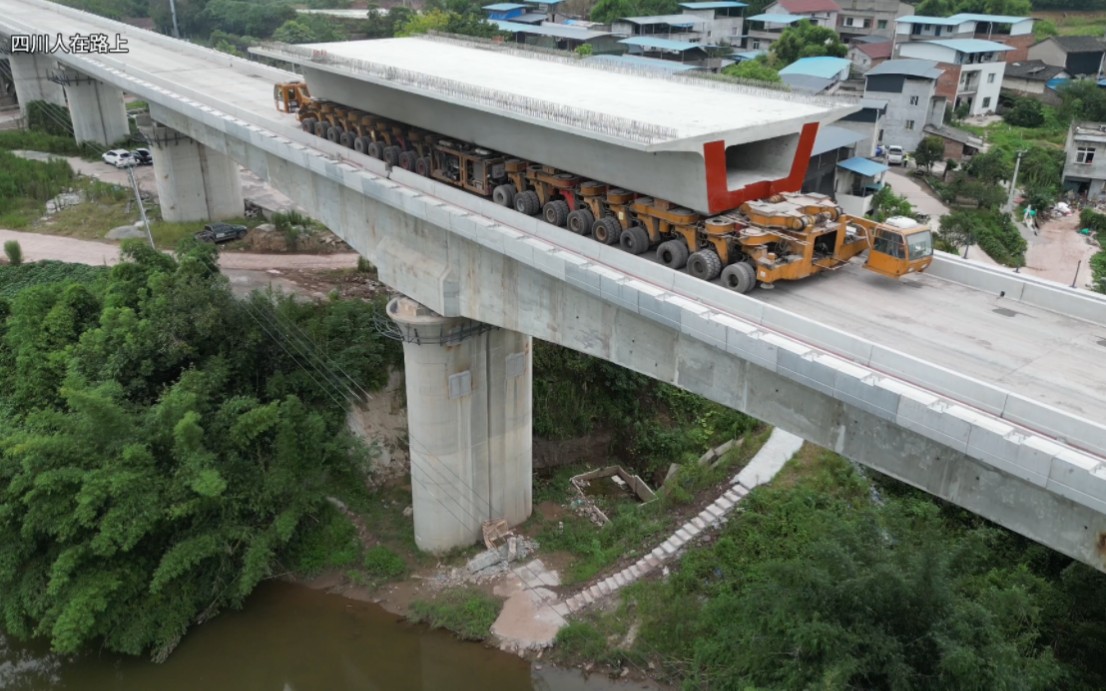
[[895, 156]]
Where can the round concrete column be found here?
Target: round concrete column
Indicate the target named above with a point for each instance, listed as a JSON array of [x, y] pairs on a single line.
[[31, 77], [469, 424], [194, 183], [97, 109]]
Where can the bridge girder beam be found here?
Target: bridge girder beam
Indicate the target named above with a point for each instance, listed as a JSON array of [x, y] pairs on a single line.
[[431, 259]]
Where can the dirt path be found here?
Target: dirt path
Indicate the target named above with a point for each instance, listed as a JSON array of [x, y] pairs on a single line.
[[38, 246], [1057, 250]]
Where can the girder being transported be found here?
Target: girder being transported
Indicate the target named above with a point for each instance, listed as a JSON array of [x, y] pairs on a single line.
[[786, 236]]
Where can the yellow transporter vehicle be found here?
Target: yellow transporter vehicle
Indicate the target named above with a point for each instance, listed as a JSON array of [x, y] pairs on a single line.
[[784, 237]]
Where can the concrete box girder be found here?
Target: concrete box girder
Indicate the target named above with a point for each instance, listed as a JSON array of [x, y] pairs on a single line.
[[484, 284]]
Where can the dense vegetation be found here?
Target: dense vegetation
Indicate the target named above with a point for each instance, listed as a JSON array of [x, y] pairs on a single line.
[[828, 580], [160, 453]]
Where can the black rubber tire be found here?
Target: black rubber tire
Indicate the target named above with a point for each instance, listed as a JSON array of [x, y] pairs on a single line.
[[741, 277], [607, 230], [423, 166], [704, 264], [346, 140], [391, 154], [375, 149], [634, 240], [360, 144], [527, 203], [673, 254], [407, 160], [556, 212], [321, 128], [580, 221], [504, 195], [308, 125], [334, 134]]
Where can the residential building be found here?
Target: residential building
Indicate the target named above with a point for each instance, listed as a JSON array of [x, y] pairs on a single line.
[[870, 17], [960, 146], [820, 12], [1080, 56], [678, 27], [837, 171], [909, 88], [669, 49], [1031, 78], [517, 13], [560, 36], [815, 75], [762, 30], [722, 20], [866, 55], [1014, 32], [867, 122], [972, 70], [1085, 162]]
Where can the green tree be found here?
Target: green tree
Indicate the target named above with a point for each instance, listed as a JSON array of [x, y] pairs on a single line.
[[1027, 112], [607, 11], [755, 70], [992, 230], [992, 167], [159, 453], [1083, 100], [293, 31], [806, 40], [929, 151], [421, 23], [885, 204]]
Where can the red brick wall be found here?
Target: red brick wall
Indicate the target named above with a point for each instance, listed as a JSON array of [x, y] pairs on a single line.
[[1020, 44], [948, 81]]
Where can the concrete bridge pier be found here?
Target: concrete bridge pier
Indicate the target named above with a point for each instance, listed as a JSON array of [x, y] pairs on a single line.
[[97, 109], [194, 182], [31, 75], [469, 424]]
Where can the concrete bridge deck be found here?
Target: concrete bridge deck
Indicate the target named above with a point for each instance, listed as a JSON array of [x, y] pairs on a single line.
[[915, 403]]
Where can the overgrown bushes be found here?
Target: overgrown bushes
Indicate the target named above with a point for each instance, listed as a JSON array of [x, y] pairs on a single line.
[[992, 230], [468, 613], [161, 453]]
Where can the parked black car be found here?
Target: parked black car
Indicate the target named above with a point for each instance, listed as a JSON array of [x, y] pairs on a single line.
[[221, 232], [143, 156]]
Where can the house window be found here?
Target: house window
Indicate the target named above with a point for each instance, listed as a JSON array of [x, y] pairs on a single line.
[[909, 124], [1084, 154], [987, 102], [756, 45], [913, 100], [882, 23], [991, 78]]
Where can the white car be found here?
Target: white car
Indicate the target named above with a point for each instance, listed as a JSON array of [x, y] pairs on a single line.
[[895, 156], [120, 158]]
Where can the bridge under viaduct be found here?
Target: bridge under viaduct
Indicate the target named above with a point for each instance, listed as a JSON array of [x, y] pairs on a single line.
[[990, 402]]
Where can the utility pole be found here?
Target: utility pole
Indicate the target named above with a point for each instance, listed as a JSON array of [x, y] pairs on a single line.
[[1014, 183], [173, 11]]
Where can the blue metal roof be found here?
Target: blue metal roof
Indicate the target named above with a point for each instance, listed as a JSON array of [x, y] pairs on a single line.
[[972, 45], [992, 18], [555, 30], [504, 7], [921, 19], [660, 43], [862, 166], [831, 137], [714, 5], [641, 61], [777, 18], [958, 19], [823, 67], [744, 55]]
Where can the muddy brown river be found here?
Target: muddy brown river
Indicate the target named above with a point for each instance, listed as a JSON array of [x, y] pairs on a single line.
[[289, 638]]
